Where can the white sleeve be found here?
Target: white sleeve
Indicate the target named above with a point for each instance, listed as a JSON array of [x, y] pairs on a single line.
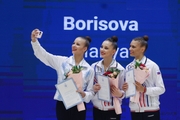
[[48, 59], [158, 87], [89, 90]]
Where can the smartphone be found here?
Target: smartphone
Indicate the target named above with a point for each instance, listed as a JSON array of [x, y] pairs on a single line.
[[39, 35]]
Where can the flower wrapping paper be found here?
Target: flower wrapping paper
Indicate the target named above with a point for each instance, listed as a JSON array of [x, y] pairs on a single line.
[[116, 103], [77, 77], [140, 76]]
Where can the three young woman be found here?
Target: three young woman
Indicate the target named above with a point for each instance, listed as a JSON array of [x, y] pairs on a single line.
[[150, 90]]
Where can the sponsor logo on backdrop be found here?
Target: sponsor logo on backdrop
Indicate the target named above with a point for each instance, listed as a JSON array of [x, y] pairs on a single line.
[[96, 24], [94, 52]]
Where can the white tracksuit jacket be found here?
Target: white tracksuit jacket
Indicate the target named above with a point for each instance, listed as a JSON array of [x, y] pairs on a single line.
[[149, 101], [62, 65], [99, 69]]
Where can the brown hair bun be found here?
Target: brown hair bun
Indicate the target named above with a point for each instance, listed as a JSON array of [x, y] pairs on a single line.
[[114, 38], [145, 37], [88, 38]]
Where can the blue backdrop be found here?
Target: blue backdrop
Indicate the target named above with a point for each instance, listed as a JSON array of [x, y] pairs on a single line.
[[27, 85]]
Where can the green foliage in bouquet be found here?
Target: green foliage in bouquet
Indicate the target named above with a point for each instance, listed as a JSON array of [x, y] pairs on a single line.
[[76, 69], [139, 64]]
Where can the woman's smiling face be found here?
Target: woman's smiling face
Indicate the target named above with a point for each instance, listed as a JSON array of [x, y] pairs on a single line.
[[136, 49], [78, 46], [107, 50]]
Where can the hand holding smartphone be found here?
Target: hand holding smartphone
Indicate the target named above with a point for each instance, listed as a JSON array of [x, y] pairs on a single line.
[[39, 35]]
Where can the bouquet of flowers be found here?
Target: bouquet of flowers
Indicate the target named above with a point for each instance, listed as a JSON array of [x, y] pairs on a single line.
[[74, 70], [113, 73], [76, 74], [141, 73]]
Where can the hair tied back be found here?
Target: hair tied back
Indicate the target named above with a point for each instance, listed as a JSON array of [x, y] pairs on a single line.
[[145, 37], [88, 38], [114, 38]]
